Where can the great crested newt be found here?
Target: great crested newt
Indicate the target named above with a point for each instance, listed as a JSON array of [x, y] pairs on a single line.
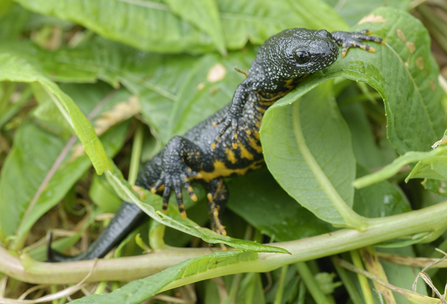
[[227, 143]]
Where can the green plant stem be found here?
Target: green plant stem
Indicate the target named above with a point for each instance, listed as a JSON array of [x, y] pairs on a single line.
[[136, 154], [367, 295], [430, 219], [311, 283], [282, 281], [232, 297]]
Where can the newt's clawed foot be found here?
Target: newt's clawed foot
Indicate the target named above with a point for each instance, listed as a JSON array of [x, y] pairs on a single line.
[[353, 39], [175, 181]]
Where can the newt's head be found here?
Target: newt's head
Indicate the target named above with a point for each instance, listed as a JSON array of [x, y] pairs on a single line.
[[295, 52]]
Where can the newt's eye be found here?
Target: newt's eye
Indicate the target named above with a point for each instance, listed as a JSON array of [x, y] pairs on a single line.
[[302, 57]]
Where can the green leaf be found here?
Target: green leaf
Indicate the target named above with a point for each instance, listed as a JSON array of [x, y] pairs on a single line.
[[204, 15], [152, 203], [146, 25], [307, 148], [12, 23], [140, 290], [353, 11], [257, 20], [152, 26], [17, 69], [262, 197], [406, 77], [379, 200]]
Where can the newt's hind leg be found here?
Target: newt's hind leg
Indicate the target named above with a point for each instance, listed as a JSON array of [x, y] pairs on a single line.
[[217, 194]]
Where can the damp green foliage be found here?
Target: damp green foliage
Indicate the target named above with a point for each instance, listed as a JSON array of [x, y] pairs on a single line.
[[331, 146]]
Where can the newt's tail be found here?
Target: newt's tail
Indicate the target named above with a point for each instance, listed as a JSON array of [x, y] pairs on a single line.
[[126, 219]]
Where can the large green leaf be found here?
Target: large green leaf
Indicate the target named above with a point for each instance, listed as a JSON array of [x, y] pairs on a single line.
[[402, 71], [307, 148], [152, 26]]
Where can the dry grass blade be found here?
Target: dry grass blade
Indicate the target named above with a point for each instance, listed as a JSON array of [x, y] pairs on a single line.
[[422, 274], [373, 265], [120, 112]]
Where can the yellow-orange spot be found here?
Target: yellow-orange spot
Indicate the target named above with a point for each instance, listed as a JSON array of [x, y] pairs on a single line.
[[213, 146], [254, 144], [245, 153], [343, 54], [139, 191], [383, 41], [411, 46], [220, 170], [420, 62], [216, 213], [209, 196], [371, 49], [247, 131], [261, 110], [153, 190], [372, 18], [216, 73], [256, 135], [266, 102], [183, 213], [432, 85], [230, 155], [400, 34], [234, 145], [164, 211]]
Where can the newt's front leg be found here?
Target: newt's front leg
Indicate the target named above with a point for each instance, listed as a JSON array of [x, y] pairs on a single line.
[[233, 119], [177, 158]]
